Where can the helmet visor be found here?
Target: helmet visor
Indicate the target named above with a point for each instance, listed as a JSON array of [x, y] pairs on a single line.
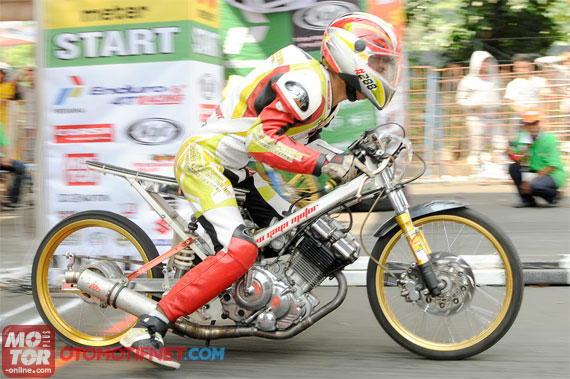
[[386, 67]]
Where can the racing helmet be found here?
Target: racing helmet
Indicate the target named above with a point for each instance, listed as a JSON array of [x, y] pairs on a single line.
[[365, 51]]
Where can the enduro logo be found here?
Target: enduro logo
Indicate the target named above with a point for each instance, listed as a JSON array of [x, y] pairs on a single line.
[[28, 351]]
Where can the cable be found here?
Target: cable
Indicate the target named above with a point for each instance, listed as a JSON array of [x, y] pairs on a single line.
[[419, 175], [362, 240]]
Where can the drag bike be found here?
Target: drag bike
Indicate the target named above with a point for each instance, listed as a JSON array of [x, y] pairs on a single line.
[[442, 280]]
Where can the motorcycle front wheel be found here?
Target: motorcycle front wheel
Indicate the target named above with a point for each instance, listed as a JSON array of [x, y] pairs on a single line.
[[93, 237], [483, 286]]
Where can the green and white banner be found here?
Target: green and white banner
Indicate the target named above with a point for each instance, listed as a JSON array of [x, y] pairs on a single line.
[[123, 83]]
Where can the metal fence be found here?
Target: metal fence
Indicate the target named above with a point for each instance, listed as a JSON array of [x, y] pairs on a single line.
[[441, 127], [438, 125]]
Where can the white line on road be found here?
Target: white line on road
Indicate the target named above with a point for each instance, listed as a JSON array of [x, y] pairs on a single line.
[[38, 320], [13, 312]]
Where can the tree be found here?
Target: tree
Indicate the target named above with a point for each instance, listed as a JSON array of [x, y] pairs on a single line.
[[504, 28]]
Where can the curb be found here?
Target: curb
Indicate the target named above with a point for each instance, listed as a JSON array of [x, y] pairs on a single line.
[[534, 273]]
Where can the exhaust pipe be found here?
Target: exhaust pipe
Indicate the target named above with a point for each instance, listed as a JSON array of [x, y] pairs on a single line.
[[204, 332], [113, 293], [118, 295]]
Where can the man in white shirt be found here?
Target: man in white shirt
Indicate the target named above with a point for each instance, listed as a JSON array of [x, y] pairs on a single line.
[[525, 91]]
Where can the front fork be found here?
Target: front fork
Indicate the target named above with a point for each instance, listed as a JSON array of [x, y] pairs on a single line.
[[415, 236]]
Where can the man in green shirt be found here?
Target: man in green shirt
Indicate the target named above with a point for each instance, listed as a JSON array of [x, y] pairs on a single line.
[[539, 151]]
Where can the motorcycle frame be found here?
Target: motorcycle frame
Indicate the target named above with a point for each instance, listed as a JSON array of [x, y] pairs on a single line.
[[147, 186]]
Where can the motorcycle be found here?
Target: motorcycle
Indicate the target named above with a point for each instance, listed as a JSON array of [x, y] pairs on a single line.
[[443, 280]]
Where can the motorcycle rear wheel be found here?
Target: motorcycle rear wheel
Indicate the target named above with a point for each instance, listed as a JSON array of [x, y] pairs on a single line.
[[77, 319], [464, 241]]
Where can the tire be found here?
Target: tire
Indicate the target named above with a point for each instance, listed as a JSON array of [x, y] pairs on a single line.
[[76, 319], [488, 303]]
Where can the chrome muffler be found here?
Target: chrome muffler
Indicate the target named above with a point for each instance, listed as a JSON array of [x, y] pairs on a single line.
[[111, 292]]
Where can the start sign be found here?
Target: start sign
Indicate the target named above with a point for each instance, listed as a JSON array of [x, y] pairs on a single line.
[[28, 351]]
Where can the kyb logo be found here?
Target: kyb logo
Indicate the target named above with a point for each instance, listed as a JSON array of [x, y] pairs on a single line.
[[154, 131], [76, 171], [74, 91], [28, 351], [84, 133]]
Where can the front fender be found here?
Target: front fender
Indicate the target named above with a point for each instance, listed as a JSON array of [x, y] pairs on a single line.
[[421, 210]]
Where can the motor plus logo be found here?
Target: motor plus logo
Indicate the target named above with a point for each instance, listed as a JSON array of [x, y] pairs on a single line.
[[76, 171], [75, 91], [28, 351]]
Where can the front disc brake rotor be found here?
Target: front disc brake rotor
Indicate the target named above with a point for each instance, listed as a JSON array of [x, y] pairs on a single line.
[[458, 285]]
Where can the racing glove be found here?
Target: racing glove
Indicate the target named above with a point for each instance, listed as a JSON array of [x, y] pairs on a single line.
[[340, 167]]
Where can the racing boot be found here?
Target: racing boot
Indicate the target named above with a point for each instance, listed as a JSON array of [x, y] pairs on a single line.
[[212, 276], [146, 339]]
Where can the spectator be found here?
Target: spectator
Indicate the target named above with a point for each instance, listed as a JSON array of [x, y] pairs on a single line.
[[13, 166], [525, 91], [539, 150], [7, 92], [478, 94]]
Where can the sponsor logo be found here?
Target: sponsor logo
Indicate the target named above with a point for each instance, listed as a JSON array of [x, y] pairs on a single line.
[[162, 227], [154, 131], [310, 22], [143, 95], [77, 173], [74, 91], [122, 241], [69, 110], [318, 16], [97, 239], [115, 13], [84, 133], [205, 42], [28, 351], [207, 85], [162, 157], [281, 227], [80, 198], [162, 242], [65, 213], [206, 110], [108, 43], [74, 239], [128, 95], [128, 209]]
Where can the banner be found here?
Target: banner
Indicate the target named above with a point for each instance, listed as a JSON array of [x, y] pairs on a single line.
[[123, 83]]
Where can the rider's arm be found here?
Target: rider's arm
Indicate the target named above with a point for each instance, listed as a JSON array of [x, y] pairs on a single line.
[[298, 102]]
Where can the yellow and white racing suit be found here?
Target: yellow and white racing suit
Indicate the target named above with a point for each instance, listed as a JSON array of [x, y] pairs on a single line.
[[270, 117]]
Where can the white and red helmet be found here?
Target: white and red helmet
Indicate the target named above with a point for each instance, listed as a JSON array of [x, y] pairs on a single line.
[[365, 51]]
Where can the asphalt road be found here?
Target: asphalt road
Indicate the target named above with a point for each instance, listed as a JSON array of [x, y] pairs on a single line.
[[349, 343]]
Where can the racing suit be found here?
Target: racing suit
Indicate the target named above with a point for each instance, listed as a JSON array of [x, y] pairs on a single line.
[[269, 117]]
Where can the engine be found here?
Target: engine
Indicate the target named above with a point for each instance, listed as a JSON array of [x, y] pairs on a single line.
[[279, 295]]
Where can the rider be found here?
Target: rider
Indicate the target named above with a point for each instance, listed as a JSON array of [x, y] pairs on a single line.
[[270, 116]]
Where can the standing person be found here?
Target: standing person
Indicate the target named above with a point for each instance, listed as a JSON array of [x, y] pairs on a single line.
[[7, 92], [270, 117], [526, 90], [542, 155], [478, 94]]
